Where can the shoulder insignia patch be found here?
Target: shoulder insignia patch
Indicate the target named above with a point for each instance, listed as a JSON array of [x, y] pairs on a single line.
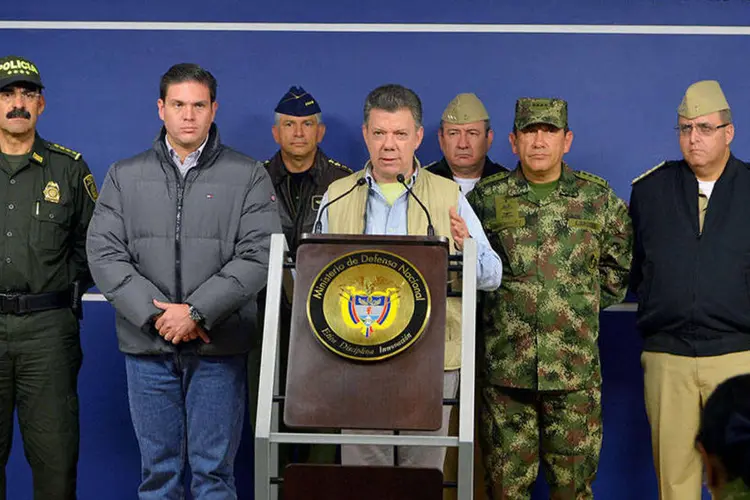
[[591, 178], [341, 166], [62, 149], [90, 185], [648, 172]]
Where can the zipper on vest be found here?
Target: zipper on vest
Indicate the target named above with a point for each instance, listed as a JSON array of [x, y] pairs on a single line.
[[177, 238], [695, 280]]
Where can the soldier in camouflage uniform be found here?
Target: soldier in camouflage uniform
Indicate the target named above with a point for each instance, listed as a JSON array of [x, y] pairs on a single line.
[[565, 241]]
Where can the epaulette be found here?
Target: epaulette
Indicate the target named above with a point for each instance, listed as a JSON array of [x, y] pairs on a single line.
[[337, 164], [431, 164], [648, 172], [496, 177], [62, 149], [492, 178], [591, 178]]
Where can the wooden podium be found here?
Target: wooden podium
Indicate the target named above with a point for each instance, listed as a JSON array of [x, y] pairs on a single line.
[[344, 381], [403, 392]]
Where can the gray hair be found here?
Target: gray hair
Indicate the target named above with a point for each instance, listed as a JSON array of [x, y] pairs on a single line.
[[725, 115], [277, 118], [391, 98]]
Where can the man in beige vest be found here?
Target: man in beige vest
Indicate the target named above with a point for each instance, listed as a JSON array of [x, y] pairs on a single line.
[[691, 271], [393, 131]]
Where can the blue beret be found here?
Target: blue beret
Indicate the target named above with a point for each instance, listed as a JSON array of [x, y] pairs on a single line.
[[297, 102]]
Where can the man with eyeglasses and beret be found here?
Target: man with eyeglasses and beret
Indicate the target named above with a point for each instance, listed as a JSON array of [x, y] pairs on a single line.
[[691, 272], [48, 196]]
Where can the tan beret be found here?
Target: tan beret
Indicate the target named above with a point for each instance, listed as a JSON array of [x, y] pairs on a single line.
[[702, 98], [465, 108]]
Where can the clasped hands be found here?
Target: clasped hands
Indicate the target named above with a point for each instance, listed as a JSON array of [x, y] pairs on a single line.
[[175, 325]]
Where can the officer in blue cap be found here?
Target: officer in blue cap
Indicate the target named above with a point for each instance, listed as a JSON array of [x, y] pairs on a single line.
[[300, 172]]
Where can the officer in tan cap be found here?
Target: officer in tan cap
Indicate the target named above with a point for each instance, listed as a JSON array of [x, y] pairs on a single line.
[[465, 136], [691, 272]]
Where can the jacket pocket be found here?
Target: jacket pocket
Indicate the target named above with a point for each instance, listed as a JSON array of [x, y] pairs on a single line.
[[52, 225]]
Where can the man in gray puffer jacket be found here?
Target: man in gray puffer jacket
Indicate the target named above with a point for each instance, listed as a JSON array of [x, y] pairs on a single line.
[[179, 245]]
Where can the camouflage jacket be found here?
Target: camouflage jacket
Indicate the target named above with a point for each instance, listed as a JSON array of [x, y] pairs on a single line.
[[564, 259], [734, 490]]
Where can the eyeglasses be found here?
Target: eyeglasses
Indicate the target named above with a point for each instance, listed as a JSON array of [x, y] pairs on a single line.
[[704, 129], [7, 96]]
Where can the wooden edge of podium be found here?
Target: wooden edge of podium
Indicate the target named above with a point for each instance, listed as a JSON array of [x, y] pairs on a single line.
[[345, 482]]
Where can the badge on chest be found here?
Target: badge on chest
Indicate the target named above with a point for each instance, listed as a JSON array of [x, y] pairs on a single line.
[[52, 192], [508, 213]]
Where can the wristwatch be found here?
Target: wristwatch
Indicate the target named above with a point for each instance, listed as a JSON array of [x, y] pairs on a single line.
[[196, 316]]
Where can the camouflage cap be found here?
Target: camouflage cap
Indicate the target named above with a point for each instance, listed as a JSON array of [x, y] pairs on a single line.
[[702, 98], [14, 69], [533, 110], [465, 108]]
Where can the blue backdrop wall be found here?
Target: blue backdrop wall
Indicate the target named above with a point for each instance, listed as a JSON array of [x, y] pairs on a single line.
[[623, 86]]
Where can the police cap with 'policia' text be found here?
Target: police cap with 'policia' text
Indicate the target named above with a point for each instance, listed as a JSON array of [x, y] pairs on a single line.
[[14, 69]]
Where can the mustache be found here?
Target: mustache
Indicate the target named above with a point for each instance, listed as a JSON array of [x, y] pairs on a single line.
[[18, 113]]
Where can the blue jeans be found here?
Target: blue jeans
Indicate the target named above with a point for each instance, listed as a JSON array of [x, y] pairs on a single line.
[[187, 409]]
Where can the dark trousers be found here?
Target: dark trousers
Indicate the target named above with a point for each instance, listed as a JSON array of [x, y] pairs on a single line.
[[40, 356]]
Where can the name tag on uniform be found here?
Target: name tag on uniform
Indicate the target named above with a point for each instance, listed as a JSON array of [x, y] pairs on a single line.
[[507, 213], [316, 199], [586, 224]]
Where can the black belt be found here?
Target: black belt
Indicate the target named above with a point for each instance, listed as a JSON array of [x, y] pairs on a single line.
[[18, 303]]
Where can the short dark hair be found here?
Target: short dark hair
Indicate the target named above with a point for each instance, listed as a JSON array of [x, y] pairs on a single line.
[[187, 72], [725, 426], [391, 98]]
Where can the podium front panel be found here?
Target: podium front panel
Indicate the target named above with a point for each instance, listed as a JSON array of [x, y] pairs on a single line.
[[328, 390], [337, 482]]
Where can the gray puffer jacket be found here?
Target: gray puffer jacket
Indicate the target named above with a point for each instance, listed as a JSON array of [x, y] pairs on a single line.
[[201, 240]]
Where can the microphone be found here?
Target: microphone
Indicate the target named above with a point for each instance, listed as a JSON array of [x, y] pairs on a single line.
[[319, 225], [430, 230]]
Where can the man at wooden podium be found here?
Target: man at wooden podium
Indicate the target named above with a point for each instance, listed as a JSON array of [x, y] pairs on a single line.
[[393, 131]]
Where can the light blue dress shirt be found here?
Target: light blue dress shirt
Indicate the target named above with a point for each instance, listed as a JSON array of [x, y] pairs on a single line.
[[382, 218], [191, 160]]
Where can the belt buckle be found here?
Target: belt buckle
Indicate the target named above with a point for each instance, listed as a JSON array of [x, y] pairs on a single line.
[[9, 303]]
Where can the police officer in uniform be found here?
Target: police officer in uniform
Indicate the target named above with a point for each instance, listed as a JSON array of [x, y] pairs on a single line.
[[48, 196], [300, 172], [465, 135]]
